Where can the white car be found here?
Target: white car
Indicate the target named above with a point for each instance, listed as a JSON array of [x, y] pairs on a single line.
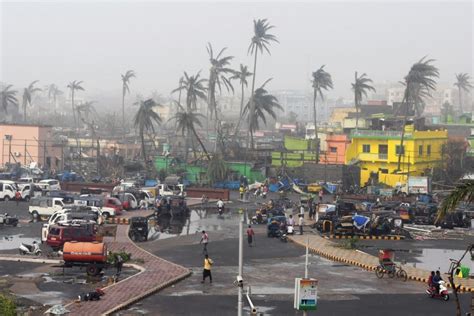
[[7, 191], [45, 206], [50, 184]]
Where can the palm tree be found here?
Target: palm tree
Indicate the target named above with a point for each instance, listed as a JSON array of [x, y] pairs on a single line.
[[420, 81], [217, 76], [241, 75], [260, 41], [87, 108], [74, 86], [463, 83], [360, 87], [125, 88], [195, 89], [322, 80], [27, 96], [8, 97], [53, 93], [263, 104], [186, 120], [144, 121], [216, 169]]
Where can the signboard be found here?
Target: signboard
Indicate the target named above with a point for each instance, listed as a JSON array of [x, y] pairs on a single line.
[[306, 294]]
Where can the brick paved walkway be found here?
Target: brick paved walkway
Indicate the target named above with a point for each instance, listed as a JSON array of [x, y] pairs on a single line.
[[329, 250], [157, 274]]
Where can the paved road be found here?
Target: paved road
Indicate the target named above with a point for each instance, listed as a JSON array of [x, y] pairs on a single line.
[[270, 268]]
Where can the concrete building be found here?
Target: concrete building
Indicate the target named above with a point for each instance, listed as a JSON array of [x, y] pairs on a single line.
[[376, 153], [336, 147], [23, 143]]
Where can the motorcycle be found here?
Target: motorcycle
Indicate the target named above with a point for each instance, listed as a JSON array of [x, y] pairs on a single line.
[[6, 219], [443, 291], [220, 210], [283, 236], [30, 249]]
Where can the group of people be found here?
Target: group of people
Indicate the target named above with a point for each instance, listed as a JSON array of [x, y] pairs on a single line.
[[434, 279]]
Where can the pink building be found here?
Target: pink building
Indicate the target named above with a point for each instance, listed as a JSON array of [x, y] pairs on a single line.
[[336, 149], [25, 143]]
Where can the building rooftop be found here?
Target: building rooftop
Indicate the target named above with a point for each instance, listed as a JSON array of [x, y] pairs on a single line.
[[24, 125]]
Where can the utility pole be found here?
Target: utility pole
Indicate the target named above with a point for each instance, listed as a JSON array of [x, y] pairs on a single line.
[[241, 265], [305, 313]]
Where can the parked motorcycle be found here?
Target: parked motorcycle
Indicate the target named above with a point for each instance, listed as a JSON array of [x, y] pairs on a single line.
[[33, 249], [6, 219], [283, 236], [443, 291]]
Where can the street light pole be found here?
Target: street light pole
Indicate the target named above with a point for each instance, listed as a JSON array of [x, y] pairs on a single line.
[[241, 266]]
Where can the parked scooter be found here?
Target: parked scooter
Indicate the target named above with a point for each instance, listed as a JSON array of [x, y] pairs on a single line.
[[33, 249], [6, 219], [443, 291]]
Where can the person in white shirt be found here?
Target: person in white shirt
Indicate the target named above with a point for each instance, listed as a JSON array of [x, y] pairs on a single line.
[[204, 241], [291, 221], [301, 223]]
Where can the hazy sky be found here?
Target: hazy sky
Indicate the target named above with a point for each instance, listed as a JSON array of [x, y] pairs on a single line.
[[97, 41]]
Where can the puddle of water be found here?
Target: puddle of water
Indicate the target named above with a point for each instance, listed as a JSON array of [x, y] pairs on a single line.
[[438, 259], [184, 293], [46, 298], [14, 241]]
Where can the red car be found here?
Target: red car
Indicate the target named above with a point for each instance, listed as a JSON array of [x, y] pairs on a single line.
[[60, 234], [114, 203]]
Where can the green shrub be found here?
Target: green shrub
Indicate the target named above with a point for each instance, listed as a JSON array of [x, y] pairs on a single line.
[[7, 306]]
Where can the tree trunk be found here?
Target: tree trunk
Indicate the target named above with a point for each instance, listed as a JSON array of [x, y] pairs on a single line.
[[200, 143], [123, 112], [142, 138], [252, 104], [97, 157], [460, 101], [240, 117], [355, 102], [73, 108], [405, 119], [24, 110], [316, 138]]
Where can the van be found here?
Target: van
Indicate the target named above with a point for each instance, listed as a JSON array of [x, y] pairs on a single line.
[[60, 234], [7, 190], [50, 184], [44, 206]]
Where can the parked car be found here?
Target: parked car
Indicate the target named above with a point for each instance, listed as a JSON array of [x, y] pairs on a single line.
[[60, 234], [45, 206], [95, 201], [73, 215], [114, 203], [50, 184]]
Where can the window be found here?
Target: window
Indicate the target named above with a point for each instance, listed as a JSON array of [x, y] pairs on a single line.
[[384, 171], [333, 149], [420, 150], [400, 150], [383, 151], [366, 148], [428, 150]]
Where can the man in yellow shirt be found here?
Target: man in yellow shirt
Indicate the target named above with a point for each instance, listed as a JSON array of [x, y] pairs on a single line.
[[207, 269]]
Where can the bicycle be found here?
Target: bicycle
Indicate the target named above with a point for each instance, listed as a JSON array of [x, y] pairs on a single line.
[[392, 271]]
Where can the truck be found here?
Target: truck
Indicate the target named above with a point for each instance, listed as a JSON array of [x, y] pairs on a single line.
[[92, 255]]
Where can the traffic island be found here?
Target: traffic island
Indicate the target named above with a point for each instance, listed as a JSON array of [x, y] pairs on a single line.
[[332, 251]]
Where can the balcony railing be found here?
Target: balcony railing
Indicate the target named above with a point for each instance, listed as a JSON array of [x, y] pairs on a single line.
[[383, 156], [378, 133]]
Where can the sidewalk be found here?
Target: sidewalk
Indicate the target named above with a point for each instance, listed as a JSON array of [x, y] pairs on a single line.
[[328, 249], [157, 274]]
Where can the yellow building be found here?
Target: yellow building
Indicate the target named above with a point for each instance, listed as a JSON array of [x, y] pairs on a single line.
[[377, 151]]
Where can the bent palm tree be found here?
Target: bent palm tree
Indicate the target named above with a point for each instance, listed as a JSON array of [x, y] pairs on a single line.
[[463, 84], [419, 81], [260, 41], [144, 121], [462, 192], [74, 86], [87, 108], [195, 89], [264, 104], [8, 97], [322, 80], [217, 77], [27, 97], [125, 89], [186, 122], [241, 75], [360, 87]]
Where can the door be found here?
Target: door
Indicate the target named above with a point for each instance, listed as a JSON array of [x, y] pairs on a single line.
[[383, 151]]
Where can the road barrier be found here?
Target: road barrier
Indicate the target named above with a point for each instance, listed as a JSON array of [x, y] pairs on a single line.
[[391, 237]]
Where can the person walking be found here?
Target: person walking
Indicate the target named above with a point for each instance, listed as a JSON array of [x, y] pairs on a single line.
[[207, 269], [321, 196], [204, 241], [301, 223], [301, 209], [250, 235], [242, 191], [119, 264]]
